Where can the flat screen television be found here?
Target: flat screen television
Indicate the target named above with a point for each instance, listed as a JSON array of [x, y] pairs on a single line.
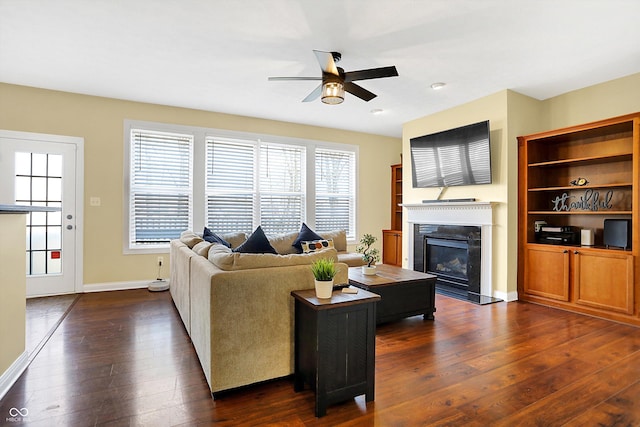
[[460, 156]]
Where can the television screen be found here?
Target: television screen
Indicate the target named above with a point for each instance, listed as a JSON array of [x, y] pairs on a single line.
[[460, 156]]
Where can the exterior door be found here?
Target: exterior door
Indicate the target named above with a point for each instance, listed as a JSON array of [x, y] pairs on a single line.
[[41, 170]]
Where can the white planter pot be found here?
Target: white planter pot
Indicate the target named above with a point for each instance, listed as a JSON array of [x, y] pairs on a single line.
[[369, 271], [324, 289]]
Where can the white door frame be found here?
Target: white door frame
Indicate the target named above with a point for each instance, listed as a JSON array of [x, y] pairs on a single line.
[[79, 191]]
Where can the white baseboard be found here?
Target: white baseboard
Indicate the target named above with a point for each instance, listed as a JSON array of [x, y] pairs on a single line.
[[11, 375], [115, 286], [506, 296]]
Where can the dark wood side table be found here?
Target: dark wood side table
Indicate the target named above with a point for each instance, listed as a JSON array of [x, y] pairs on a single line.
[[404, 292], [335, 342]]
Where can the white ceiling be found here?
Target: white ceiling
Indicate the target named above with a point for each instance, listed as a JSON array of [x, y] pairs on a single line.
[[216, 55]]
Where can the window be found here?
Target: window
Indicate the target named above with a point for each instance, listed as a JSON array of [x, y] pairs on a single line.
[[335, 190], [254, 183], [183, 178], [160, 187]]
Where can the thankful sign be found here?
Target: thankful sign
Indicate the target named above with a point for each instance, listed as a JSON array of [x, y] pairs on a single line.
[[589, 201]]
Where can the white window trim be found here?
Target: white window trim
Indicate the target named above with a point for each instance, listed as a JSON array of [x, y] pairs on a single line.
[[200, 135]]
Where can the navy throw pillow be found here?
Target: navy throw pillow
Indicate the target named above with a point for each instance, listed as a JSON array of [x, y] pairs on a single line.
[[305, 234], [212, 237], [257, 243]]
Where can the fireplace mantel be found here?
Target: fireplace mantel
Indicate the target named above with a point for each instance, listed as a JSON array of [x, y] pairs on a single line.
[[454, 213], [457, 213]]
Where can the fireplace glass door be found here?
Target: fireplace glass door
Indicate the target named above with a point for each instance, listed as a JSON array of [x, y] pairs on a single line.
[[448, 258]]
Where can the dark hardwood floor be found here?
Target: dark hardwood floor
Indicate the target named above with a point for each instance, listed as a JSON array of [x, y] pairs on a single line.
[[124, 359], [43, 316]]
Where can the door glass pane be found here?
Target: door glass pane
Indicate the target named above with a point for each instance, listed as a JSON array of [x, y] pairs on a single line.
[[38, 263], [39, 164], [38, 218], [54, 265], [23, 163], [54, 238], [39, 189], [54, 189], [38, 238], [55, 166], [54, 218], [23, 189]]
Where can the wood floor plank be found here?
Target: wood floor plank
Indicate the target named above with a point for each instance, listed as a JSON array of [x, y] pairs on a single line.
[[124, 359]]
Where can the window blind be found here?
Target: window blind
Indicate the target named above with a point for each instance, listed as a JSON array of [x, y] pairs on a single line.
[[281, 187], [230, 187], [160, 186], [254, 184], [335, 191], [182, 177]]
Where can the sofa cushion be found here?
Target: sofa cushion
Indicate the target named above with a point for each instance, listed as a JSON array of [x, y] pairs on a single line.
[[339, 238], [352, 259], [225, 259], [257, 243], [316, 245], [202, 248], [283, 243], [212, 237], [305, 234], [190, 238], [235, 239]]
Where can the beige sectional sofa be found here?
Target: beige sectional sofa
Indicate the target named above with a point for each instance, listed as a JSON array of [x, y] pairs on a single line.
[[237, 307]]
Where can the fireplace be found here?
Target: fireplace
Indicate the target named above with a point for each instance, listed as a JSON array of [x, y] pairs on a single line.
[[453, 253], [453, 240]]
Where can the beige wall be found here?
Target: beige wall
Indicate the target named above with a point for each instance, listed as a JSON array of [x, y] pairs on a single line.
[[513, 114], [609, 99], [100, 122], [494, 109], [12, 289]]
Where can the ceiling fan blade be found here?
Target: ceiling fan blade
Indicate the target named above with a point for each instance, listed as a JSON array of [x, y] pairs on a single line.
[[373, 73], [281, 79], [327, 64], [313, 95], [359, 91]]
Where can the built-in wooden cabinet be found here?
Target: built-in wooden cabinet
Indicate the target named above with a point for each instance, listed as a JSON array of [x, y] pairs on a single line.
[[573, 179], [392, 238], [552, 281], [392, 247]]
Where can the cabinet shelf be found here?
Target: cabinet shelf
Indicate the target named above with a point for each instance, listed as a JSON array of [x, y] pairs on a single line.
[[583, 160], [580, 213], [573, 187]]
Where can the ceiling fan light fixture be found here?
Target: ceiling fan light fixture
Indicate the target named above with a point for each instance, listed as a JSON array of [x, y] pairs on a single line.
[[332, 93]]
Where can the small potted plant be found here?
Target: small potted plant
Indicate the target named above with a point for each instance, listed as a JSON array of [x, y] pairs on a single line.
[[324, 270], [369, 255]]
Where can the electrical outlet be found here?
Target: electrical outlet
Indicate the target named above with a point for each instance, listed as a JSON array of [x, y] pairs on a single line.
[[160, 261]]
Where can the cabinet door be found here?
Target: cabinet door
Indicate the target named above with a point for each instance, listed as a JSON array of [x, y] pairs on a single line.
[[547, 272], [604, 280], [390, 247], [399, 249]]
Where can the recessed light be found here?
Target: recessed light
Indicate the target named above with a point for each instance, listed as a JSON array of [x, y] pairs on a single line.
[[377, 111], [438, 85]]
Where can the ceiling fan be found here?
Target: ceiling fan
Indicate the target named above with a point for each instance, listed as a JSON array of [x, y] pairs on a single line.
[[335, 81]]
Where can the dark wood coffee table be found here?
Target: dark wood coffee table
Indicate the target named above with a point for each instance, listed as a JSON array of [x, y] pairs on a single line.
[[404, 292]]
